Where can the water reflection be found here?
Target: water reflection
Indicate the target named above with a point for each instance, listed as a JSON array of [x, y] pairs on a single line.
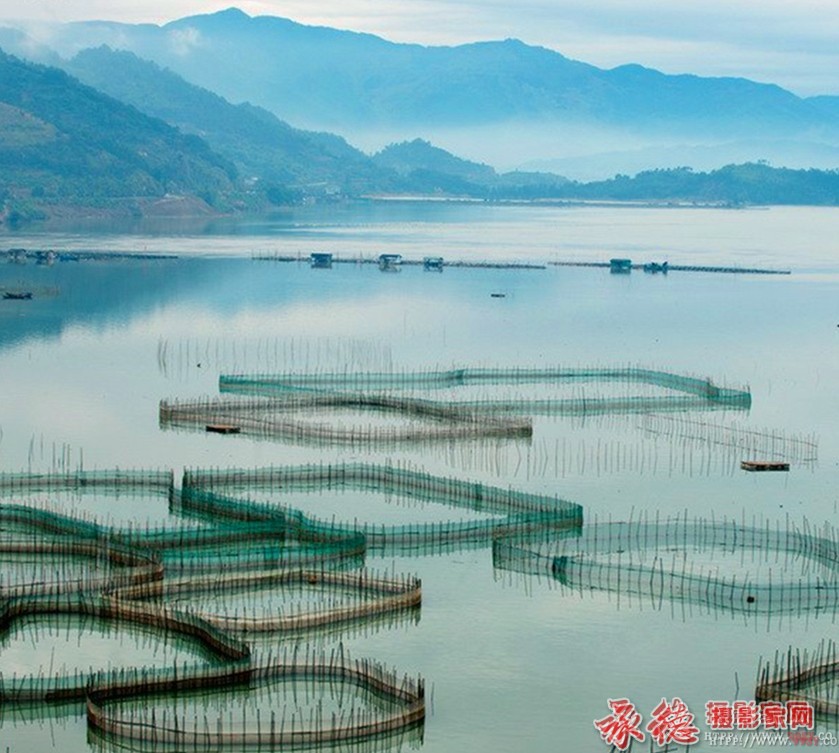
[[82, 373]]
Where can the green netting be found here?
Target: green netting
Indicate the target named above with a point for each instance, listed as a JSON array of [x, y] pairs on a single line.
[[239, 545], [234, 668], [162, 540], [242, 541], [125, 481], [308, 540], [649, 559], [697, 392], [370, 477], [521, 512], [240, 537], [59, 688], [287, 406], [110, 565]]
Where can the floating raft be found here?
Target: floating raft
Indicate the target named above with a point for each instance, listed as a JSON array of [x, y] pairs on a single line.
[[223, 429], [763, 465], [389, 261], [627, 265]]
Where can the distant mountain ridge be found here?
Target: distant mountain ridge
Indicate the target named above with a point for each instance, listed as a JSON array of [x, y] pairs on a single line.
[[505, 103], [319, 77], [258, 142], [292, 162], [827, 104], [65, 144]]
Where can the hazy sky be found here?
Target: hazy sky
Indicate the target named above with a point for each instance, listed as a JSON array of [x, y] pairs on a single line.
[[791, 42]]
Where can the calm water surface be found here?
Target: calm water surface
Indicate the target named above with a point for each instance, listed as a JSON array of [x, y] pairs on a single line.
[[515, 663]]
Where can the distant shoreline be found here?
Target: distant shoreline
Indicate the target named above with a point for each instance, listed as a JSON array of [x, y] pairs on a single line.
[[59, 217], [556, 202]]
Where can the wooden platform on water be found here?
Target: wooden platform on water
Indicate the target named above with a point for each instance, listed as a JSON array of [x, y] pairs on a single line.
[[223, 429], [763, 465], [673, 267]]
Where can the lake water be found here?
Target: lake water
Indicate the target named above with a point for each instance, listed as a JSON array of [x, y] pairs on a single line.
[[515, 662]]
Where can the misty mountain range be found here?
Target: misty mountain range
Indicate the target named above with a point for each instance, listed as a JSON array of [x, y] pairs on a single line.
[[505, 102], [258, 142], [132, 132], [137, 132]]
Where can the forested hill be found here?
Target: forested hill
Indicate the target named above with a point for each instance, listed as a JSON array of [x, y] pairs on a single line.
[[62, 143], [259, 143], [747, 184]]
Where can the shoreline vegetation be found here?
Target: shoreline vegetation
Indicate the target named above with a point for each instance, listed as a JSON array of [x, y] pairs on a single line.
[[815, 188], [747, 186]]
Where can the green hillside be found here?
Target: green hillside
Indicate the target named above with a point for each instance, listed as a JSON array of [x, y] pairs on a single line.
[[428, 169], [746, 184], [63, 143]]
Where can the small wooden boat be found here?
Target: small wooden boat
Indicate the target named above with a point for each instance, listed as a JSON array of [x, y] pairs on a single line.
[[23, 296]]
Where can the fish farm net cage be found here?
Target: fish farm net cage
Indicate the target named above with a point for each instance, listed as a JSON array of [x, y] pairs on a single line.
[[143, 577], [291, 418], [437, 407], [678, 392], [514, 512], [802, 675], [125, 481], [403, 697], [357, 595], [238, 540], [679, 559]]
